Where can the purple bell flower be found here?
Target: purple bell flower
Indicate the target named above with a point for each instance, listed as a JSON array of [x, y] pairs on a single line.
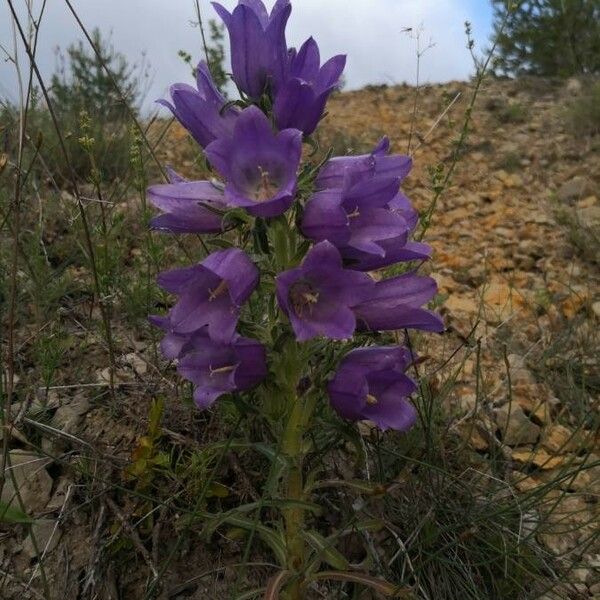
[[370, 384], [300, 100], [373, 233], [356, 217], [395, 249], [259, 165], [319, 295], [188, 206], [201, 111], [210, 294], [395, 303], [217, 368], [173, 344], [258, 46], [376, 164]]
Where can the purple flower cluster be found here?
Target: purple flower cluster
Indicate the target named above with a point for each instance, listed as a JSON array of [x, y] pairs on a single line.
[[357, 218], [200, 328]]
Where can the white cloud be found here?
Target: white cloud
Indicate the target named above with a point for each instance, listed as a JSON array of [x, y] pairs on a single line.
[[370, 32]]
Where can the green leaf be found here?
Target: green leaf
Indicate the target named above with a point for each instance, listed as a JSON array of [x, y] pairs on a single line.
[[325, 550], [359, 485], [269, 536], [251, 594], [217, 490], [213, 522], [220, 243], [10, 514]]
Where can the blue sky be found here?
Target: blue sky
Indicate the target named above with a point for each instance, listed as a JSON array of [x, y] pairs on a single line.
[[370, 32]]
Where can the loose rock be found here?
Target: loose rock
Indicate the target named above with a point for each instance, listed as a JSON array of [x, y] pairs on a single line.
[[28, 475]]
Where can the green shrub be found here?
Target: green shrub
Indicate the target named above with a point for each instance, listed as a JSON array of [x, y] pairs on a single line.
[[583, 113], [547, 37], [87, 101], [513, 112]]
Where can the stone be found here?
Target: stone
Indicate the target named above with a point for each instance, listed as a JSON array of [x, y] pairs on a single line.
[[587, 202], [135, 362], [47, 535], [31, 479], [573, 86], [58, 499], [456, 303], [67, 419], [568, 480], [559, 544], [596, 309], [516, 429], [501, 295], [526, 484], [518, 371], [509, 180], [594, 485], [539, 458], [473, 435], [575, 189], [558, 438], [589, 216], [534, 399]]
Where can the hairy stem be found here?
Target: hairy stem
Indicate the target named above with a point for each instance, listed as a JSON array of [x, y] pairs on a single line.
[[294, 515]]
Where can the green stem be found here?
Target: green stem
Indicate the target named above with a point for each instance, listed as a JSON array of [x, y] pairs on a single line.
[[294, 516], [300, 413]]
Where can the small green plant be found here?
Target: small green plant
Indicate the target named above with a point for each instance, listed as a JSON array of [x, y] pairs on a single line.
[[584, 235], [513, 112], [583, 113], [510, 162]]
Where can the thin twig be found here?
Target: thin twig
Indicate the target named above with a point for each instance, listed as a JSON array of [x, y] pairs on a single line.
[[132, 533]]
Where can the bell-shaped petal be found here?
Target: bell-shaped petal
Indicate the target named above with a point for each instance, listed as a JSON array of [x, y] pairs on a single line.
[[258, 46], [173, 344], [188, 206], [211, 294], [379, 163], [396, 250], [370, 384], [395, 303], [355, 220], [380, 218], [201, 110], [300, 101], [259, 165], [216, 368], [318, 296]]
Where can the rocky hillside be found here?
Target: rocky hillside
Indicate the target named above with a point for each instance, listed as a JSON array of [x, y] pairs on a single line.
[[515, 378], [516, 235]]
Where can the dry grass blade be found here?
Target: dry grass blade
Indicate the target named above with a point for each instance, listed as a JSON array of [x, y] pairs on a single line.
[[275, 584], [379, 585]]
